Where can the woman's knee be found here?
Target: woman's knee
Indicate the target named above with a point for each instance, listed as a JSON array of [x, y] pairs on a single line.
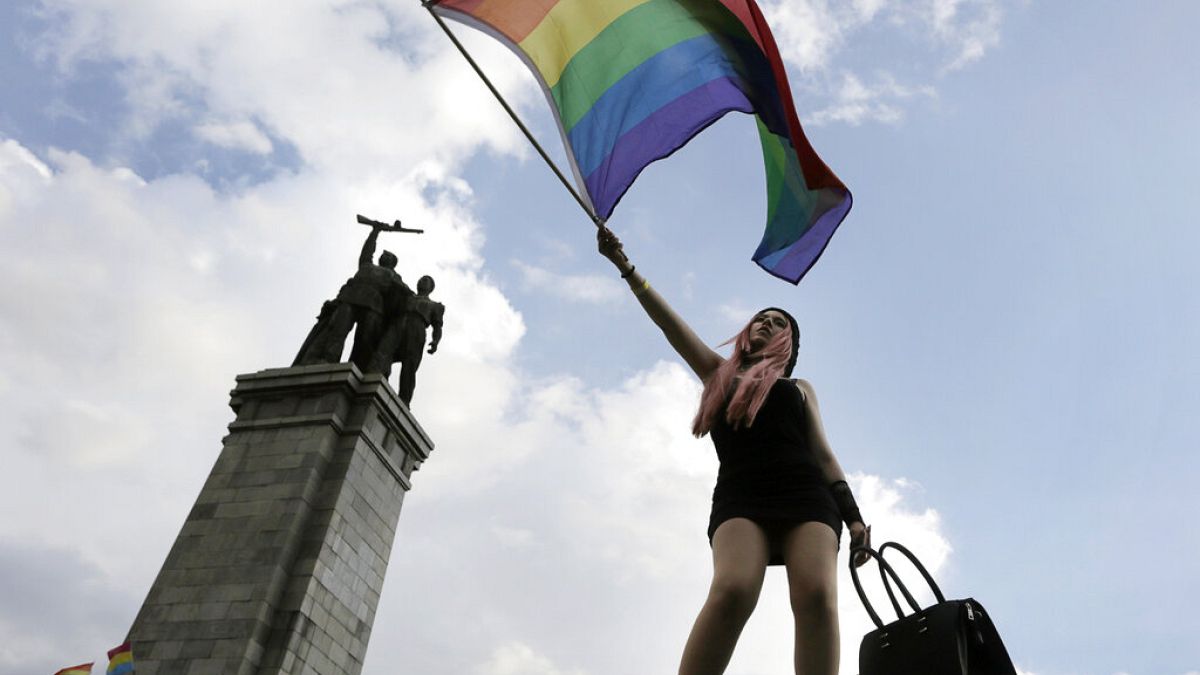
[[814, 600], [734, 596]]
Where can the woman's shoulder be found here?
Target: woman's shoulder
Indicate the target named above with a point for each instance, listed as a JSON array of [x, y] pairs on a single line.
[[807, 393]]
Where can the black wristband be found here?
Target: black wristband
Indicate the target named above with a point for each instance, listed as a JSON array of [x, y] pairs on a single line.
[[631, 269], [844, 498]]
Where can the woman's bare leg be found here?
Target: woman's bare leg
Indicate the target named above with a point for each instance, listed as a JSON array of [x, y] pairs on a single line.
[[810, 554], [740, 554]]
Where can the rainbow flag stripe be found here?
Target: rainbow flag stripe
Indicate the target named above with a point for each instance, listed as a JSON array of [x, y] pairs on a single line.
[[632, 81], [120, 660], [84, 669]]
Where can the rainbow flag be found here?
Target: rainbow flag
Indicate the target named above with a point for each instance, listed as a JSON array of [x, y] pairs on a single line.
[[85, 669], [632, 81], [120, 660]]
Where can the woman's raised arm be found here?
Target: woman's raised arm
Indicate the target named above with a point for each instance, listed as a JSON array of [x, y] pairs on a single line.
[[700, 357]]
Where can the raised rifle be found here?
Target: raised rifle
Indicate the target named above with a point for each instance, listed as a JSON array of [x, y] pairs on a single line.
[[395, 227]]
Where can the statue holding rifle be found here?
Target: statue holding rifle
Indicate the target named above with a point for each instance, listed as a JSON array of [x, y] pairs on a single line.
[[386, 313]]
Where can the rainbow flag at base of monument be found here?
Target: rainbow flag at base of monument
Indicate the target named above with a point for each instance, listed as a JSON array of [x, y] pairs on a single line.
[[632, 81], [120, 660], [84, 669]]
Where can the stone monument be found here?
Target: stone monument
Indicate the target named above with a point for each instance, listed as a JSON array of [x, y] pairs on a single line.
[[279, 566]]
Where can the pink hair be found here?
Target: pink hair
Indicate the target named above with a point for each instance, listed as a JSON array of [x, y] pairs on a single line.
[[750, 389]]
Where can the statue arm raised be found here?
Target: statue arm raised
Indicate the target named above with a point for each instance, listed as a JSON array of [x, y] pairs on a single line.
[[368, 249]]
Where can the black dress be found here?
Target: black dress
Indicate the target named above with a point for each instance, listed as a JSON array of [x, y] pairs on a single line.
[[768, 472]]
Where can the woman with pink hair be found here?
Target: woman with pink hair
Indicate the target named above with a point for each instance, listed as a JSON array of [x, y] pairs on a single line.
[[781, 496]]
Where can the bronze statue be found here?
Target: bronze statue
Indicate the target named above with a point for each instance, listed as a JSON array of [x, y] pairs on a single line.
[[403, 339], [360, 302], [391, 320]]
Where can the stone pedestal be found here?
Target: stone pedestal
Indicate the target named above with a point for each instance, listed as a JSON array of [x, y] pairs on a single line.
[[279, 565]]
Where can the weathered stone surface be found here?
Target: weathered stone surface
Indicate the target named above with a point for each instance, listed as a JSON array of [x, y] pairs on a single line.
[[280, 563]]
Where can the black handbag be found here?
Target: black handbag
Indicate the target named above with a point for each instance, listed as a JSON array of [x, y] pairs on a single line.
[[950, 637]]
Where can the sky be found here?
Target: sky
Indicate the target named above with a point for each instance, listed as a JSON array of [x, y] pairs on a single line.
[[1001, 333]]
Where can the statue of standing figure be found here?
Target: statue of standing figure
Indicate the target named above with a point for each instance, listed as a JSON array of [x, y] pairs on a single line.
[[403, 339], [389, 319]]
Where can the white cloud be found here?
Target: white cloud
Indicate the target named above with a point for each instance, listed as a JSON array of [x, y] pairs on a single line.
[[56, 603], [516, 658], [556, 249], [867, 9], [321, 75], [810, 32], [821, 37], [87, 433], [237, 135], [588, 288], [14, 158], [737, 313], [23, 173], [856, 102], [514, 536], [813, 33], [969, 28]]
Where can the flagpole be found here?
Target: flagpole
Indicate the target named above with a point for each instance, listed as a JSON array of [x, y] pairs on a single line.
[[428, 4]]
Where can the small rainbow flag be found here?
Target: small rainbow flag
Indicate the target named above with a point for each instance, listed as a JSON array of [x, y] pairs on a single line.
[[120, 660], [83, 669], [632, 81]]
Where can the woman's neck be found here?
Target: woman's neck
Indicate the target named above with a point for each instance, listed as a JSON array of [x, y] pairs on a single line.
[[748, 361]]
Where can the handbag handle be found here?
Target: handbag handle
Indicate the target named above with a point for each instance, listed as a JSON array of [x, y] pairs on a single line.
[[937, 592], [883, 565]]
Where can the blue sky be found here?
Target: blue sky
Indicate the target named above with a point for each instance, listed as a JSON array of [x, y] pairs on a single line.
[[1001, 333]]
